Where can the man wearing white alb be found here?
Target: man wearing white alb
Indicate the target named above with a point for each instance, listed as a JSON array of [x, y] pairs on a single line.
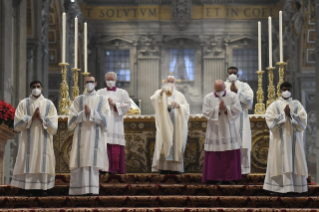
[[245, 96], [286, 166], [36, 119], [120, 103], [171, 115], [88, 117]]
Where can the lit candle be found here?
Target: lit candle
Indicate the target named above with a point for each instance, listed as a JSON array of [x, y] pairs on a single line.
[[270, 41], [280, 37], [63, 36], [76, 42], [85, 48], [259, 46]]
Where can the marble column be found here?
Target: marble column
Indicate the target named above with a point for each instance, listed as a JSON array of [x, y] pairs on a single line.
[[12, 66], [214, 69], [317, 84], [148, 74]]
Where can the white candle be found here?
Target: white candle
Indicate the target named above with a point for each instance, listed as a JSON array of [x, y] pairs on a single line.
[[75, 42], [259, 46], [270, 41], [63, 36], [85, 48], [280, 37]]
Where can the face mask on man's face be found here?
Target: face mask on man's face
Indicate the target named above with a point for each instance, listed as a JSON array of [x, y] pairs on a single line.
[[220, 93], [90, 86], [286, 94], [110, 83], [232, 77], [36, 92]]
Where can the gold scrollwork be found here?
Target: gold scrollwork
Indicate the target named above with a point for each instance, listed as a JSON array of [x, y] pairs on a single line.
[[281, 77], [260, 106], [65, 102]]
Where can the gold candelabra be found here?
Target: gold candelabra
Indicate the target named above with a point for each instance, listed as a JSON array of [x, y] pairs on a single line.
[[65, 102], [85, 74], [260, 106], [271, 87], [281, 77], [75, 88]]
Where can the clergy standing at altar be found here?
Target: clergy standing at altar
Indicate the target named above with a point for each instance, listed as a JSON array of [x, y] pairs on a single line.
[[222, 143], [88, 117], [36, 119], [245, 96], [171, 115], [286, 166], [120, 103]]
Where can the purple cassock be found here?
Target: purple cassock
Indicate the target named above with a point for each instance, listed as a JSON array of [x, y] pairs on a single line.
[[222, 160], [116, 153]]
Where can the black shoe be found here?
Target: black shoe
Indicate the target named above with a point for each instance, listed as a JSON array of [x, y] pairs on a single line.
[[164, 172], [230, 183], [29, 194], [175, 173], [102, 172], [43, 194]]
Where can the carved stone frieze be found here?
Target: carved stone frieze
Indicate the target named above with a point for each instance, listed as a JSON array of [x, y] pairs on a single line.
[[149, 46], [181, 13], [214, 46]]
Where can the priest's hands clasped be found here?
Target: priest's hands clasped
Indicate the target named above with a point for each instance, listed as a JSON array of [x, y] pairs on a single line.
[[111, 102], [287, 110], [175, 105], [37, 115], [222, 105], [233, 87], [87, 109]]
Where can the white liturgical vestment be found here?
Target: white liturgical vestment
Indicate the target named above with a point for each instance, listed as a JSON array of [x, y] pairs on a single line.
[[245, 96], [89, 143], [35, 163], [286, 167], [88, 153], [115, 134], [222, 133], [171, 131]]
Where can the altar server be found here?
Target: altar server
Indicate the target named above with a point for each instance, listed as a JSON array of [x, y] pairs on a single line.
[[171, 115], [120, 103], [36, 119], [88, 117], [223, 141], [286, 167], [245, 96]]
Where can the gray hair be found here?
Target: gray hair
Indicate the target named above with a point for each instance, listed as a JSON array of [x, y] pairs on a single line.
[[111, 73]]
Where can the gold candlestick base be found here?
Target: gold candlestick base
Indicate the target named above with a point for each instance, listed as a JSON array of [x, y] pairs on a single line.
[[75, 88], [281, 77], [260, 106], [271, 87], [65, 102], [85, 74]]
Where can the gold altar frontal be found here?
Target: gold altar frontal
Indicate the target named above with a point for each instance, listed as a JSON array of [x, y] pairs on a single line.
[[140, 134]]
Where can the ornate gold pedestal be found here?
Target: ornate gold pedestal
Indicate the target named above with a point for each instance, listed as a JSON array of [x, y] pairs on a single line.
[[260, 106], [281, 77], [271, 87], [65, 102]]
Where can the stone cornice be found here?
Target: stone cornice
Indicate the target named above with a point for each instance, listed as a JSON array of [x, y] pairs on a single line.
[[168, 2]]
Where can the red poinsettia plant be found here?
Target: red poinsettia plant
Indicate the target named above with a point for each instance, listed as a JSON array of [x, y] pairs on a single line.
[[7, 114]]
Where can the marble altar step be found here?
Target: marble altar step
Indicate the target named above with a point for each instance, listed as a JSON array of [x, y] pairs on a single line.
[[251, 179], [160, 201], [163, 189], [182, 209]]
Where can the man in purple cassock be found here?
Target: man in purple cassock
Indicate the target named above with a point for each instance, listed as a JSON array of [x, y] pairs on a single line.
[[222, 163]]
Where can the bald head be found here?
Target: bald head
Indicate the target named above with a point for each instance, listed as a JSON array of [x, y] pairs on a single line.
[[170, 79], [219, 85]]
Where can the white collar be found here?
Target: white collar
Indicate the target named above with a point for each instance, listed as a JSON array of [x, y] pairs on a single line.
[[34, 99], [93, 93], [286, 100]]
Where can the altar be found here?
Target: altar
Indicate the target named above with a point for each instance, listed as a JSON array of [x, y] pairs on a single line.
[[140, 134]]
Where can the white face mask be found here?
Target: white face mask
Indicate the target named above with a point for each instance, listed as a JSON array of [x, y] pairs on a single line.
[[90, 87], [220, 93], [286, 94], [110, 84], [36, 92], [232, 77]]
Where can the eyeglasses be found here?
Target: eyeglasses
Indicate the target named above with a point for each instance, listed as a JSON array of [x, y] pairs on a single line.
[[89, 82]]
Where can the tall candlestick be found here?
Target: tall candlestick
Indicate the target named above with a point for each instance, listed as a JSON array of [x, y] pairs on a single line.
[[63, 36], [75, 42], [259, 46], [270, 42], [85, 49], [280, 37]]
